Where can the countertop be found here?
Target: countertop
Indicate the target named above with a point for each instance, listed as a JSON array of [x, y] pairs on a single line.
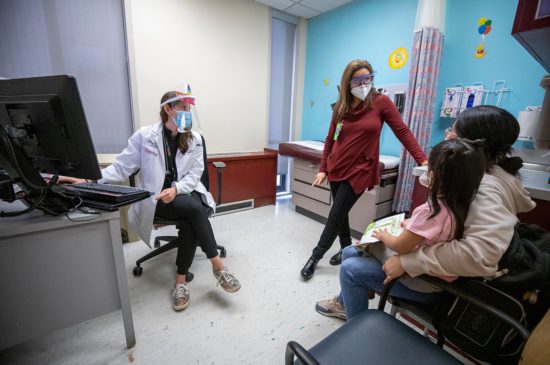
[[535, 181]]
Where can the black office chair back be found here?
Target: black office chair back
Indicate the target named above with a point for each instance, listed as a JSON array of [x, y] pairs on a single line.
[[205, 178]]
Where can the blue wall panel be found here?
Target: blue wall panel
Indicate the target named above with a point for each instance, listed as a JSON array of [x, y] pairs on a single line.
[[372, 29], [366, 29]]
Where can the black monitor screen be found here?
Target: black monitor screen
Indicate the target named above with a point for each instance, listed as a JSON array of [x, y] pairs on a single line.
[[44, 119]]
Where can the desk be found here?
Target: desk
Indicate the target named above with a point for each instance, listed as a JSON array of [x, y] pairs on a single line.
[[55, 273]]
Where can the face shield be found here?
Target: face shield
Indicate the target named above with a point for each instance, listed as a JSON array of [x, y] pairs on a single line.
[[186, 117]]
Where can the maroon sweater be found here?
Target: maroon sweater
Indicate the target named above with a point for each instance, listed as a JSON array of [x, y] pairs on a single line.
[[354, 155]]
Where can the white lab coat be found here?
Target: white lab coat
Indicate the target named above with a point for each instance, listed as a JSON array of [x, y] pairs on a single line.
[[145, 152]]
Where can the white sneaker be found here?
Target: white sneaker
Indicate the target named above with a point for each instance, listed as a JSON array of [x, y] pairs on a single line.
[[180, 296], [227, 280]]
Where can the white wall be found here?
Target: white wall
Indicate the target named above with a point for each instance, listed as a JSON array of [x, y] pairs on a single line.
[[221, 48]]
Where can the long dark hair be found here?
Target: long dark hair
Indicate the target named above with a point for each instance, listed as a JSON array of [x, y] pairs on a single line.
[[185, 137], [498, 128], [343, 105], [456, 167]]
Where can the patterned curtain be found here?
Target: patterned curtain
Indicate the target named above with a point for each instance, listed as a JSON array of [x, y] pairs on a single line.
[[419, 106]]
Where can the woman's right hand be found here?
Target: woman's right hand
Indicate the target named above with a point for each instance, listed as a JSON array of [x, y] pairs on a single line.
[[319, 179]]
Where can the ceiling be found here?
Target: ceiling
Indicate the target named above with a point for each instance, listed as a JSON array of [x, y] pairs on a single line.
[[304, 8]]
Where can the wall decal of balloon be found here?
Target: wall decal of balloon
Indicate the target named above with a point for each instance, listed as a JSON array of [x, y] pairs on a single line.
[[484, 27], [398, 58]]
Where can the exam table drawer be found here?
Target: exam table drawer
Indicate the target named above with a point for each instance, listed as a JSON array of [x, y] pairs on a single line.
[[383, 209], [314, 192], [308, 177], [385, 193], [306, 165], [311, 205]]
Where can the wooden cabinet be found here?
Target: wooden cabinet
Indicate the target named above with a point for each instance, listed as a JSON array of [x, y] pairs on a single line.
[[316, 201], [250, 175], [539, 215], [532, 29]]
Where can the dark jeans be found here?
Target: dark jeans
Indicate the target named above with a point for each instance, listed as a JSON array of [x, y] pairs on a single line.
[[194, 227], [343, 199]]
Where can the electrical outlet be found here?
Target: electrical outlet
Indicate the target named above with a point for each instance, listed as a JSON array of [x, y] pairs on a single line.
[[533, 108]]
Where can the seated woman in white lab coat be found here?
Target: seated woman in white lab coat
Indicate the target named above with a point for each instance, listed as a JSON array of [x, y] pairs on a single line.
[[169, 156]]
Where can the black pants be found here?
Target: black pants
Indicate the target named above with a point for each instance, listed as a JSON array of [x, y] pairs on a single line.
[[343, 199], [194, 228]]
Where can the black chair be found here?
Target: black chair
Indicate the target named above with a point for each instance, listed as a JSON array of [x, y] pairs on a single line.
[[172, 241], [375, 337]]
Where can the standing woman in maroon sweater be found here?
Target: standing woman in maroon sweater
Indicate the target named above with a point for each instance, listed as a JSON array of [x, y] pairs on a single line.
[[351, 154]]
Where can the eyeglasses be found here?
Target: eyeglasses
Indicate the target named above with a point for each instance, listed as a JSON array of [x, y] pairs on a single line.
[[449, 132], [361, 80], [181, 107]]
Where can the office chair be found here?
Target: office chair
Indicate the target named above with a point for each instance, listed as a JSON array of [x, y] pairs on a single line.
[[375, 337], [172, 241]]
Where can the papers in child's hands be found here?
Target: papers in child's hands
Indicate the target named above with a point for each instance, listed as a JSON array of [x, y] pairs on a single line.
[[392, 224]]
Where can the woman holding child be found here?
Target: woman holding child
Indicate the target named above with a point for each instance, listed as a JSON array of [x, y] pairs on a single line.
[[487, 226]]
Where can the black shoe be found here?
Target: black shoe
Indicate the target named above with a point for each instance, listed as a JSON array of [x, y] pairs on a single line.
[[309, 268], [336, 259]]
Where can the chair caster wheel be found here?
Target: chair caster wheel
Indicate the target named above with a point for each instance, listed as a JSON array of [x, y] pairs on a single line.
[[189, 277], [156, 243], [222, 253], [137, 271]]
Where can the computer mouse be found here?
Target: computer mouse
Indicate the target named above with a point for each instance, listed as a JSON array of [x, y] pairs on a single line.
[[89, 210]]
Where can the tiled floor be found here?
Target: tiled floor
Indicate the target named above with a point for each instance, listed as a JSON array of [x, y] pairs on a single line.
[[266, 249]]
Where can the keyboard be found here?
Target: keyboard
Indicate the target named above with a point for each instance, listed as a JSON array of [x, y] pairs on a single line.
[[108, 193]]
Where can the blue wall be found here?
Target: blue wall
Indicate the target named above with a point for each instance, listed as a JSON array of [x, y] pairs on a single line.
[[366, 29], [506, 59], [372, 29]]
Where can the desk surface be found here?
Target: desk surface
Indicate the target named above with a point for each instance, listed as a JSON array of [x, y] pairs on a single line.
[[37, 220]]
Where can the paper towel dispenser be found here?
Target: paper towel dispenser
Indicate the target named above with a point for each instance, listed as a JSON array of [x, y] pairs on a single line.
[[528, 124]]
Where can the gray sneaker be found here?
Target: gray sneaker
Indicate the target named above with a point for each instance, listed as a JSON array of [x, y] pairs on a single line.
[[331, 308], [228, 281], [180, 296]]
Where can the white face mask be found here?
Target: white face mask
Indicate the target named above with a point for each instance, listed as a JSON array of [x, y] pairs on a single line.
[[361, 92], [424, 179]]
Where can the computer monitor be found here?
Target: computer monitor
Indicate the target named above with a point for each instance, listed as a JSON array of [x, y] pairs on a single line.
[[44, 130]]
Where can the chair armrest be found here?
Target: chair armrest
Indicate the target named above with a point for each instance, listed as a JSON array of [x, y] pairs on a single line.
[[219, 165], [460, 292], [294, 348], [385, 294], [132, 178]]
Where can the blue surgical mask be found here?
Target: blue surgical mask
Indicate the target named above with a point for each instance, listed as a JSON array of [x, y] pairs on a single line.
[[183, 121], [425, 179]]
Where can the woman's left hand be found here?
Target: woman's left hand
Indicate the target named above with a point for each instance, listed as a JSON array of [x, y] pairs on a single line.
[[167, 195], [393, 269]]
